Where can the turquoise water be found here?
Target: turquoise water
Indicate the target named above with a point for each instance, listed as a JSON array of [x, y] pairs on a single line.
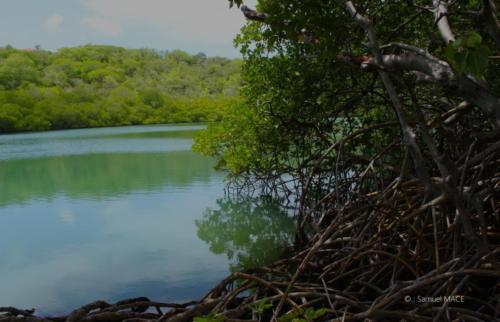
[[114, 213], [104, 214]]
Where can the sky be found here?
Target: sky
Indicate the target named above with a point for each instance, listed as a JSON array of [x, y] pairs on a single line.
[[195, 26]]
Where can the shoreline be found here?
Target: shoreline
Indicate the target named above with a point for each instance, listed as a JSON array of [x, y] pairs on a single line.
[[111, 126]]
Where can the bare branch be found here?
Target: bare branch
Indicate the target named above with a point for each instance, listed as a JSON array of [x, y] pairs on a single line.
[[251, 14], [440, 15], [408, 132], [440, 72]]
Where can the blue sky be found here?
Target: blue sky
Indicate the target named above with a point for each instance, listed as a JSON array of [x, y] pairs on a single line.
[[190, 25]]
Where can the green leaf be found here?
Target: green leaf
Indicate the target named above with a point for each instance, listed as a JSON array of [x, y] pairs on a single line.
[[264, 305], [291, 317], [473, 39], [461, 61], [209, 318], [450, 52], [311, 314], [321, 312], [477, 61], [472, 4], [468, 55], [237, 2], [201, 319]]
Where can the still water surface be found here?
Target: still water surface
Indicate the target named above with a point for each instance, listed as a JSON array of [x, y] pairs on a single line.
[[114, 213]]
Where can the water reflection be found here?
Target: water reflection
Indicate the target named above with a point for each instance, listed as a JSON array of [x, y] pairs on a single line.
[[98, 176], [104, 214], [251, 232], [131, 139], [114, 213]]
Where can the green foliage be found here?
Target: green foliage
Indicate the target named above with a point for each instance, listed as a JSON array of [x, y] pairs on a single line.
[[262, 306], [472, 4], [209, 318], [240, 125], [93, 86], [16, 69], [9, 116], [307, 315], [301, 97], [296, 95], [468, 55], [235, 2]]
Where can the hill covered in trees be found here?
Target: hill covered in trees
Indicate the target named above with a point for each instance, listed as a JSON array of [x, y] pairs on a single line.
[[94, 86]]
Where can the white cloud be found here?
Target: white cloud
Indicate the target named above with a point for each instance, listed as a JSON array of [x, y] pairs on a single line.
[[105, 26], [202, 20], [53, 23]]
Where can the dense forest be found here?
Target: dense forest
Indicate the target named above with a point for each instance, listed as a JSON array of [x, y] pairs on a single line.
[[93, 86]]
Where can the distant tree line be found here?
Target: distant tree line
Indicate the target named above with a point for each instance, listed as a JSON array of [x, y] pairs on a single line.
[[93, 86]]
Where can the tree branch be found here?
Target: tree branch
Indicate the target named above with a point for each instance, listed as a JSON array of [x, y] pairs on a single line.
[[251, 14], [408, 132], [440, 15], [440, 72], [489, 18]]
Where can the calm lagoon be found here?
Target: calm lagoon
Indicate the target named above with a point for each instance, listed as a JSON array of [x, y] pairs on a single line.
[[114, 213]]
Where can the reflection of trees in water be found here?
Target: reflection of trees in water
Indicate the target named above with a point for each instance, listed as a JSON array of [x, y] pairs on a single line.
[[251, 232], [99, 175]]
